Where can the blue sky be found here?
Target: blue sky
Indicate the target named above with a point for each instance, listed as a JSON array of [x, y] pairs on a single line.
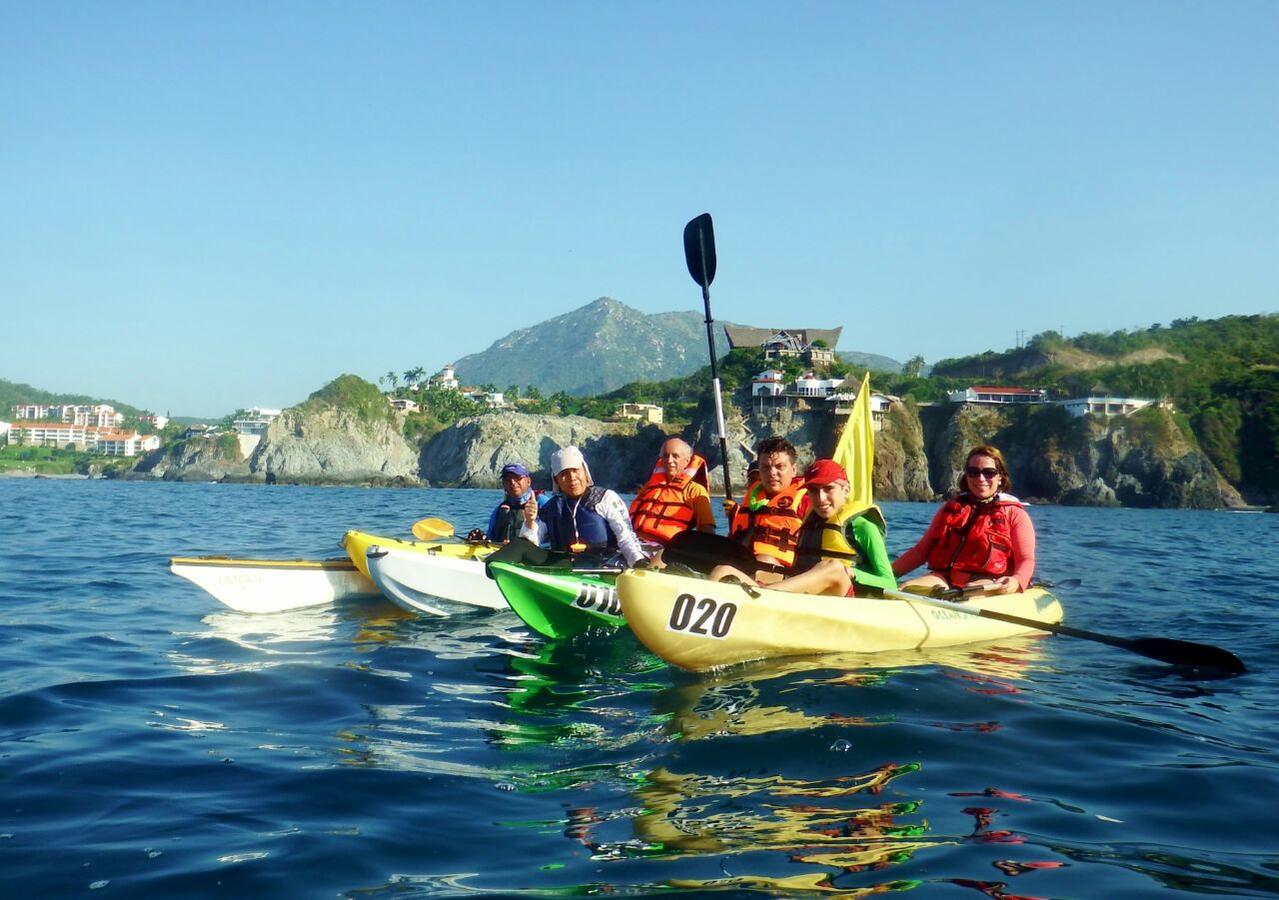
[[215, 205]]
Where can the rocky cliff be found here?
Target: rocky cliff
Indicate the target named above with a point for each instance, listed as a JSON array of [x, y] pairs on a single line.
[[472, 452], [214, 458], [901, 467], [347, 434], [1144, 460], [334, 445]]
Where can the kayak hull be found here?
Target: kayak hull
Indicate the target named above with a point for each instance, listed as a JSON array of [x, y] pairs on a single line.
[[698, 624], [274, 585], [357, 544], [557, 603], [430, 582]]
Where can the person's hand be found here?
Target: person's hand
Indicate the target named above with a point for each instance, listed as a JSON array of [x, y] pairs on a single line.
[[1006, 585], [729, 507], [530, 513], [475, 535]]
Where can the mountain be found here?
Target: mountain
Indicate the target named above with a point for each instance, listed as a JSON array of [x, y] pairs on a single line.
[[605, 345], [873, 361], [595, 349]]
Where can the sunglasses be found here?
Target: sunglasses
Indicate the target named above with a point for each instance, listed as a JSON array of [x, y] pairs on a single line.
[[989, 472]]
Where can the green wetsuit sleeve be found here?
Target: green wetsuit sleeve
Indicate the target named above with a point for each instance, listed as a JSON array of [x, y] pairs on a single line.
[[874, 570]]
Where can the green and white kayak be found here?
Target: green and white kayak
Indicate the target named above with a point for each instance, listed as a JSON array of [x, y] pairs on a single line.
[[559, 603]]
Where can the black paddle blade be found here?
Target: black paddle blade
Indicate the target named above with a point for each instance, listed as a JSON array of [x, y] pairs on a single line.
[[702, 552], [1187, 653], [699, 249]]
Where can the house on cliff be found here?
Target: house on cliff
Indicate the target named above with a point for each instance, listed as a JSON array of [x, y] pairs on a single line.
[[811, 346], [1107, 407], [1111, 406], [770, 392], [998, 395]]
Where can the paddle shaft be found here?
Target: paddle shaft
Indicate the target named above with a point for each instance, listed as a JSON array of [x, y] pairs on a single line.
[[715, 388], [1176, 652], [699, 254]]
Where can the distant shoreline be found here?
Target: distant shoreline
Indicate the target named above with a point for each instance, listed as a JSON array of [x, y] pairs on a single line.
[[29, 473]]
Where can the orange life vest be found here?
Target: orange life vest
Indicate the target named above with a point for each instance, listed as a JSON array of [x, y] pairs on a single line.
[[772, 530], [659, 511], [977, 538]]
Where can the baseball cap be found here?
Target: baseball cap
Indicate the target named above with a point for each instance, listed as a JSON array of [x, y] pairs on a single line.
[[515, 469], [824, 471]]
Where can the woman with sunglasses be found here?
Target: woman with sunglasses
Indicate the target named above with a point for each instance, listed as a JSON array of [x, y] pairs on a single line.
[[981, 538]]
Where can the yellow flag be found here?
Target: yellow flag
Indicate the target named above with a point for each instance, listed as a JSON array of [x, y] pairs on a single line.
[[856, 453]]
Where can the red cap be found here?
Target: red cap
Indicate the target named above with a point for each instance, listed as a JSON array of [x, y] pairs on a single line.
[[824, 471]]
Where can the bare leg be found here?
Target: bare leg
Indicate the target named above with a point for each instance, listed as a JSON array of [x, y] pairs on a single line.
[[719, 573], [829, 576]]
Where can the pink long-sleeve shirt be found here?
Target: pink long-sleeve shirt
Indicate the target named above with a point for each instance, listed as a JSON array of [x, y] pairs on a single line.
[[1023, 549]]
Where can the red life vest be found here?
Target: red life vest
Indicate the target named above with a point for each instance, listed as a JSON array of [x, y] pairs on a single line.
[[772, 530], [659, 511], [976, 539]]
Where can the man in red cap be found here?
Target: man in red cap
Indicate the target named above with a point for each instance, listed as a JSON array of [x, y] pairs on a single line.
[[832, 556]]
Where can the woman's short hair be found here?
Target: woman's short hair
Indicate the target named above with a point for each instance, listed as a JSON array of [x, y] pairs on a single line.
[[1005, 480]]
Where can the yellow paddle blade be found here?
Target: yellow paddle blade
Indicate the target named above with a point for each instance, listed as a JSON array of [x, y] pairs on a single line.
[[432, 529]]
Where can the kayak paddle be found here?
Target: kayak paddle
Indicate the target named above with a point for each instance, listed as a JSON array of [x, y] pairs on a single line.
[[699, 254], [432, 529], [1169, 650]]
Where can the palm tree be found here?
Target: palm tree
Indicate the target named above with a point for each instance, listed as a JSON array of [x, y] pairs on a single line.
[[392, 379]]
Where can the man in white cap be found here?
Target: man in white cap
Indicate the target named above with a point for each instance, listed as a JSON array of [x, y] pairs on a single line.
[[581, 515]]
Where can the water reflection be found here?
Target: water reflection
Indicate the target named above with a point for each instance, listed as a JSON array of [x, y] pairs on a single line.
[[270, 639], [847, 823], [464, 636]]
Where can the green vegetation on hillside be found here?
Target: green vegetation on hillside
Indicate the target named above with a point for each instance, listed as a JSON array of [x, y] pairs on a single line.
[[353, 394], [51, 461], [13, 392], [680, 397], [437, 409], [1221, 374]]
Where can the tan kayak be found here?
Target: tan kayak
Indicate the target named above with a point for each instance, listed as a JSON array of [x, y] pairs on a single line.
[[274, 585], [698, 624]]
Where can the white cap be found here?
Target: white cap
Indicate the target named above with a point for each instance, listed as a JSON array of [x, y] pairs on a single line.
[[569, 458]]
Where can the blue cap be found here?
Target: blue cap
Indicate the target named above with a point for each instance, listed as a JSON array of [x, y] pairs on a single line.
[[514, 469]]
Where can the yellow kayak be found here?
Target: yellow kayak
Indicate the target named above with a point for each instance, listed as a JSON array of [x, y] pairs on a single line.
[[698, 624], [357, 543]]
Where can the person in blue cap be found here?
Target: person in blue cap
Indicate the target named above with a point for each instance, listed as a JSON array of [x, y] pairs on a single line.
[[506, 519]]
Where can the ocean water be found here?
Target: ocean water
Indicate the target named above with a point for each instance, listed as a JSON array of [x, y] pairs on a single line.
[[154, 743]]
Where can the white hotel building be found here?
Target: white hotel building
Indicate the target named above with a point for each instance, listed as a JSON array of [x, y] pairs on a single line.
[[91, 438], [101, 415]]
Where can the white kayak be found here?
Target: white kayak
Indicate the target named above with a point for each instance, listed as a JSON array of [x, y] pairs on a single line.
[[274, 585], [423, 580]]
